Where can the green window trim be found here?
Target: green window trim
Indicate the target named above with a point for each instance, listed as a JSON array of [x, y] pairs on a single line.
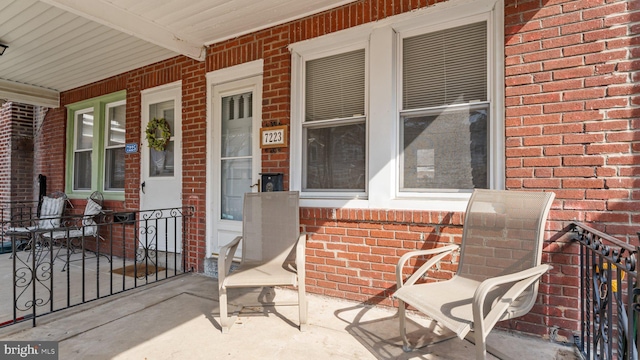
[[98, 104]]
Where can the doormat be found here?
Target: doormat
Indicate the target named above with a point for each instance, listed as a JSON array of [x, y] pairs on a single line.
[[132, 270]]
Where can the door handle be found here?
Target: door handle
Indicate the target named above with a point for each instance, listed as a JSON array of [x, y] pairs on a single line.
[[144, 183], [256, 184]]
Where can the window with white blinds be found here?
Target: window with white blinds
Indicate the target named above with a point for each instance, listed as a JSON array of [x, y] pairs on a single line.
[[445, 116], [334, 129], [412, 108], [335, 86], [445, 67]]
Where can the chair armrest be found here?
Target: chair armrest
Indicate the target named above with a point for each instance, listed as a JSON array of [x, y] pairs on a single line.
[[226, 258], [439, 254], [521, 281]]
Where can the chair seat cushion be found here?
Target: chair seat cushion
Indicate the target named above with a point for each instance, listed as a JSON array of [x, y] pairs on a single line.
[[447, 302], [250, 274], [62, 234], [20, 230]]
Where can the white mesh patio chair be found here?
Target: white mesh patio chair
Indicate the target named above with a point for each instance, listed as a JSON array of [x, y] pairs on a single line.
[[273, 251], [498, 271], [71, 236], [51, 211]]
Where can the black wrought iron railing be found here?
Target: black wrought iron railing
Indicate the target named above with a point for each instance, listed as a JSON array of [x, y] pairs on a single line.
[[609, 296], [15, 211], [80, 259]]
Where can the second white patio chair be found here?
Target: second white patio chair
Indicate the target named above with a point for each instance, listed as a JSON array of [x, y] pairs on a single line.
[[73, 233], [273, 250], [498, 271]]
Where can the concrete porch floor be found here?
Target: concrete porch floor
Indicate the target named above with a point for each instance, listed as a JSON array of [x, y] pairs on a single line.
[[178, 319]]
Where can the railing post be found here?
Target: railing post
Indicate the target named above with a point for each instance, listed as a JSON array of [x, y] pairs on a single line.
[[636, 307]]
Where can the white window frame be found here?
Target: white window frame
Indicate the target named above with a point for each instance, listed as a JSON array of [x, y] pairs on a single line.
[[382, 41], [343, 48]]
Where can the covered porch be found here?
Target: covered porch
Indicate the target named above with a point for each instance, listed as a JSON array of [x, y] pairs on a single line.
[[563, 118], [178, 319]]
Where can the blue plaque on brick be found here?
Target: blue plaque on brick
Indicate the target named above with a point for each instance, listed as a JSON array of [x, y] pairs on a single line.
[[131, 148]]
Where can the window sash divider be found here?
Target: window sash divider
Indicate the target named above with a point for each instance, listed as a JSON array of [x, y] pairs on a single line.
[[334, 122]]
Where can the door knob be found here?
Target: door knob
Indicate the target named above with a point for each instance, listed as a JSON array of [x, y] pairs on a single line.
[[144, 183]]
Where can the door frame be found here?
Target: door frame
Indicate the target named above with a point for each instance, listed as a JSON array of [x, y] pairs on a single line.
[[253, 69]]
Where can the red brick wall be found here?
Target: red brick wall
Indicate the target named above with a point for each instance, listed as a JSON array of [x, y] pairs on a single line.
[[22, 176], [5, 148], [571, 127], [16, 144]]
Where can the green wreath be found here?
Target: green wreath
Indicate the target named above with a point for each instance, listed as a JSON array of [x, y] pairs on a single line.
[[158, 144]]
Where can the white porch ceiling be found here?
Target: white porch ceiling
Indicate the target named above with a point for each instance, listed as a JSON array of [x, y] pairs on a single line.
[[57, 45]]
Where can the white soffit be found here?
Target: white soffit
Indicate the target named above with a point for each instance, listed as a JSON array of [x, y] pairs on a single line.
[[58, 45]]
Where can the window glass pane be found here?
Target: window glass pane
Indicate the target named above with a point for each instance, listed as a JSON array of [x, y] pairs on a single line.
[[335, 86], [114, 169], [445, 67], [82, 170], [116, 125], [446, 150], [236, 125], [84, 130], [335, 157], [236, 180], [162, 162]]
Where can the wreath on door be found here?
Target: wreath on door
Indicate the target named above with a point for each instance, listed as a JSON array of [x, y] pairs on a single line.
[[155, 142]]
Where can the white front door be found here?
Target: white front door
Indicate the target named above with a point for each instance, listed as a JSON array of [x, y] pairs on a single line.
[[161, 177], [236, 161]]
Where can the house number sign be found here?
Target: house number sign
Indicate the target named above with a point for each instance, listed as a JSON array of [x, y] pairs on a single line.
[[272, 137]]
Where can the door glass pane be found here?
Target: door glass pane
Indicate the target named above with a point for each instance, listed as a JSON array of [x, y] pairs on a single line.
[[446, 150], [82, 170], [236, 150], [163, 110], [161, 163], [236, 180], [236, 125], [335, 158], [84, 130]]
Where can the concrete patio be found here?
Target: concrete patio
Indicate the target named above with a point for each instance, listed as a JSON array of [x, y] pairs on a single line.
[[178, 319]]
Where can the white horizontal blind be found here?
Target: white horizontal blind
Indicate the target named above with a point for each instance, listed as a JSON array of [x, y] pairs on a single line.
[[445, 67], [335, 86]]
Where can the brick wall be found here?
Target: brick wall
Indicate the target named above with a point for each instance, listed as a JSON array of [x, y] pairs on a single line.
[[23, 181], [5, 146], [16, 143], [571, 127]]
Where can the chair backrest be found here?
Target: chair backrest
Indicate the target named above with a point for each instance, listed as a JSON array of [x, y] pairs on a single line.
[[503, 234], [51, 210], [270, 226], [93, 208]]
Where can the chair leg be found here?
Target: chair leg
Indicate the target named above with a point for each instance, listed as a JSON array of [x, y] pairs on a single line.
[[403, 326], [481, 345], [224, 319], [302, 304]]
